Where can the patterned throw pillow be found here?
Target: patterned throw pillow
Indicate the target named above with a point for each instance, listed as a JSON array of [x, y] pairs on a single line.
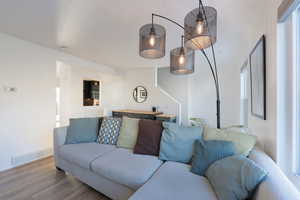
[[109, 131]]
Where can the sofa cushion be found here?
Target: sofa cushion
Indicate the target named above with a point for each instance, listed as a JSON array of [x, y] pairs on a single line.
[[175, 181], [126, 168], [235, 177], [177, 142], [128, 133], [243, 142], [207, 152], [83, 154], [83, 130], [149, 137], [109, 130]]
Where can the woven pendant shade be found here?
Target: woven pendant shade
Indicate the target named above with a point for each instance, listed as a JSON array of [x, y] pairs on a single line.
[[199, 34], [152, 41], [182, 61]]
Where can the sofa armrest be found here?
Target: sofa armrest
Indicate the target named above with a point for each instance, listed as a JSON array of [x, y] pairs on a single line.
[[276, 186], [59, 139], [60, 135]]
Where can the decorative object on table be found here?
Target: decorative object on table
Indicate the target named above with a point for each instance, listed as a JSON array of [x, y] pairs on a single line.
[[235, 177], [109, 130], [258, 79], [207, 152], [140, 114], [154, 109], [177, 142], [140, 94], [244, 143], [88, 126], [91, 93], [128, 133], [199, 33], [149, 136]]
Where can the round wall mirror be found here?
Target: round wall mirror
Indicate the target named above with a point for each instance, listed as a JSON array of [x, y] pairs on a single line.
[[140, 94]]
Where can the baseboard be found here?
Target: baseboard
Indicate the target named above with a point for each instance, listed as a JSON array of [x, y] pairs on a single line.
[[30, 157]]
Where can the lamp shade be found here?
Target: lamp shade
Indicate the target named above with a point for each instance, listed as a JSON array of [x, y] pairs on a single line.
[[152, 41], [199, 33], [182, 61]]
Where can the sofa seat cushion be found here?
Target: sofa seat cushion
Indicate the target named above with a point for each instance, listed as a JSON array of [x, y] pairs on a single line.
[[175, 181], [83, 154], [126, 168]]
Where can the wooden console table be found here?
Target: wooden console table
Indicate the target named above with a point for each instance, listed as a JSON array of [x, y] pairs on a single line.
[[144, 115]]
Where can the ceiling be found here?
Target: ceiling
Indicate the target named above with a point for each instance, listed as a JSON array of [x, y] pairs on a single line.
[[103, 31]]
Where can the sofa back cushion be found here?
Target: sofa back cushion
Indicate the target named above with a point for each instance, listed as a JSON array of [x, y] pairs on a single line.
[[243, 142], [177, 142], [82, 130], [128, 133], [149, 136], [109, 130]]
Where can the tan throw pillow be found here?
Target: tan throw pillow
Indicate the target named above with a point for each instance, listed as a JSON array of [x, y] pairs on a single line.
[[243, 142], [128, 133]]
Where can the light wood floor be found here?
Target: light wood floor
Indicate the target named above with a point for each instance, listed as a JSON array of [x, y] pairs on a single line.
[[40, 180]]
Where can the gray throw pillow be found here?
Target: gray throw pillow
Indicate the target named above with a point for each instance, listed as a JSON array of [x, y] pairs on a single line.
[[207, 152], [235, 177], [82, 130], [109, 130]]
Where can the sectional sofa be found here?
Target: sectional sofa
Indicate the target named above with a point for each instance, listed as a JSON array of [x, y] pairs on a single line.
[[122, 175]]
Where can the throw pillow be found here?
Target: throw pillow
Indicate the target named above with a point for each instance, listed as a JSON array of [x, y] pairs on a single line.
[[128, 133], [244, 143], [109, 130], [149, 137], [207, 152], [177, 142], [83, 130], [235, 177]]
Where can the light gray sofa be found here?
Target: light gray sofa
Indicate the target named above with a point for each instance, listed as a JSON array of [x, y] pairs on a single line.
[[122, 175]]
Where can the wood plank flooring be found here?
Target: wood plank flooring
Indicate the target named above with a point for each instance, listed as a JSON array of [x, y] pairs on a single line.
[[40, 180]]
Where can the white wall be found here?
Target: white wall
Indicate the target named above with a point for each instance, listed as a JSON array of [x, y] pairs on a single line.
[[176, 86], [267, 130], [72, 91], [146, 77], [27, 116]]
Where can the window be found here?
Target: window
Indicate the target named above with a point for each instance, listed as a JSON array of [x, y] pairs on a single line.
[[288, 97], [297, 91]]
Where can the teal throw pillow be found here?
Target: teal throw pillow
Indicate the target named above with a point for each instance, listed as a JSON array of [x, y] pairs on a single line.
[[207, 152], [83, 130], [177, 142], [235, 177]]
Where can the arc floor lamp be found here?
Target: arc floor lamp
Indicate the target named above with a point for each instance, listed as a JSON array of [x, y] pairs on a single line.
[[200, 33]]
